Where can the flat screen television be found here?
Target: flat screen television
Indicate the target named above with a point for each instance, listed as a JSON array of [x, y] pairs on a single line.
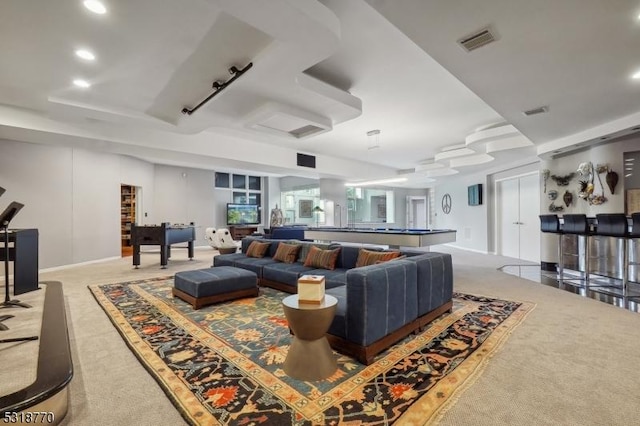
[[243, 214], [474, 193]]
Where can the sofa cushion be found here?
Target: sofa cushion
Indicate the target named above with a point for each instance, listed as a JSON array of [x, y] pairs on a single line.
[[339, 323], [334, 278], [285, 273], [254, 264], [287, 253], [257, 249], [323, 259], [227, 259], [348, 257], [306, 246], [368, 257]]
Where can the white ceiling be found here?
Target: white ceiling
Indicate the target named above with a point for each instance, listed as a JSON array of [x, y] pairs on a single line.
[[343, 66]]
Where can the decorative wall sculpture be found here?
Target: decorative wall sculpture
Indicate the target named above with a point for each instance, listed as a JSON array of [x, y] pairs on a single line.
[[563, 180], [567, 198], [612, 180], [553, 208], [587, 186]]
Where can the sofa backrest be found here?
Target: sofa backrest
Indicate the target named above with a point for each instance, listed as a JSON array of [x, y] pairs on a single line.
[[273, 247], [435, 280], [380, 299]]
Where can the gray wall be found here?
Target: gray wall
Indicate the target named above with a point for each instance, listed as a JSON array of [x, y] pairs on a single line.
[[72, 196]]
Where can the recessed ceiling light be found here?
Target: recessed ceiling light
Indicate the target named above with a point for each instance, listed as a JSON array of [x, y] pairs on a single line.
[[95, 6], [85, 54], [81, 83], [636, 75]]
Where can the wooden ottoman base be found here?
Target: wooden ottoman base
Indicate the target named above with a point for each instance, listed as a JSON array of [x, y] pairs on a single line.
[[198, 303]]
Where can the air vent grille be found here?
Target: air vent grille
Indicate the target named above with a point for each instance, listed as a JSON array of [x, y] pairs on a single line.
[[535, 111], [305, 131], [477, 40]]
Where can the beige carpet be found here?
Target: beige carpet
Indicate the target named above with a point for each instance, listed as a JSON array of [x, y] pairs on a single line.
[[573, 361]]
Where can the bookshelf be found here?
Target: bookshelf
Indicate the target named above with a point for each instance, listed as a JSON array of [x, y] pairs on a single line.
[[127, 216]]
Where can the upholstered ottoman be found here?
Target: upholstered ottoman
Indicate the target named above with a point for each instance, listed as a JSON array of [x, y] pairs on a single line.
[[206, 286]]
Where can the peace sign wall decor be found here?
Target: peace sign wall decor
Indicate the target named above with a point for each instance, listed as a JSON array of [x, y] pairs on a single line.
[[446, 203]]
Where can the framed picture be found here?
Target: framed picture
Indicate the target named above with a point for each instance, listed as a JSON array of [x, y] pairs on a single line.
[[382, 211], [305, 209]]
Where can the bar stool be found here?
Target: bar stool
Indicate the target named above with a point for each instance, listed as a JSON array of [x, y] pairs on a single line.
[[576, 224], [615, 225], [634, 235], [549, 223]]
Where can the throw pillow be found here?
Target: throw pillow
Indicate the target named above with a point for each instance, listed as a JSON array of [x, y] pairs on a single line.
[[287, 253], [368, 257], [257, 249], [391, 260], [323, 259]]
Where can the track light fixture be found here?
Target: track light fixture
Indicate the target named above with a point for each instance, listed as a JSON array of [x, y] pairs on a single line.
[[218, 86]]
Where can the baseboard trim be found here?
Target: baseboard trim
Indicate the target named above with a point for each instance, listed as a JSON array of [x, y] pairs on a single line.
[[467, 249], [73, 265]]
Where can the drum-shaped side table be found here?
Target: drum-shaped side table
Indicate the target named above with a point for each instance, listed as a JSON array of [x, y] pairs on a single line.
[[310, 357]]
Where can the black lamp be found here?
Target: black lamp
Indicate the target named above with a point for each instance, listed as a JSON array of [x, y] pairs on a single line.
[[317, 210]]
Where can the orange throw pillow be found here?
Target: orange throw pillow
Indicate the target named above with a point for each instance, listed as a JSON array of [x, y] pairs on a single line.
[[287, 253], [323, 259], [257, 249], [368, 257]]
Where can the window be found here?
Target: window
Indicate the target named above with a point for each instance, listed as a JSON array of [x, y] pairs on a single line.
[[222, 180], [239, 182], [254, 183], [240, 197]]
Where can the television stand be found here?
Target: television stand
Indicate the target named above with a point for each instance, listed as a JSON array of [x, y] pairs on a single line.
[[238, 232]]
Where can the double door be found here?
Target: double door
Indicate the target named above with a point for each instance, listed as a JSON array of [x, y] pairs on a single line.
[[518, 225]]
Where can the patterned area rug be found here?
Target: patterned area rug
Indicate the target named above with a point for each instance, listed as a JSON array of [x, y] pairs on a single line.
[[223, 364]]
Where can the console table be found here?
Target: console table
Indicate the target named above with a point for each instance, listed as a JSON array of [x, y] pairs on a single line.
[[239, 232]]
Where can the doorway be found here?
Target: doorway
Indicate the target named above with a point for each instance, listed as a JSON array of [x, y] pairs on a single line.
[[417, 212], [517, 210]]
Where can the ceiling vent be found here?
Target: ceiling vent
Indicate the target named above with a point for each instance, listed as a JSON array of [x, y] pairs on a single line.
[[477, 40], [535, 111], [287, 121]]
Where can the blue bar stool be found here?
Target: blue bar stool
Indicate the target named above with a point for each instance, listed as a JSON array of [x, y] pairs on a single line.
[[615, 225], [576, 224], [549, 223]]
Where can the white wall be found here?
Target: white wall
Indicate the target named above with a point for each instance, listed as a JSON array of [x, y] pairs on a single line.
[[612, 154], [72, 196], [470, 222], [41, 178]]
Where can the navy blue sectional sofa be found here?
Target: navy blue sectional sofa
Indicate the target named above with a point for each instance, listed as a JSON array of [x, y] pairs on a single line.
[[378, 305]]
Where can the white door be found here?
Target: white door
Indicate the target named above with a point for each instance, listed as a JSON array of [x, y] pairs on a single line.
[[417, 212], [517, 215], [529, 220], [508, 218]]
